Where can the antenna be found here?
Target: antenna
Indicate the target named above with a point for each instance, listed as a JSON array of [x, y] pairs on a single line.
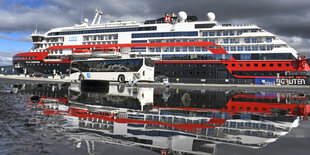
[[98, 14], [82, 13], [99, 18], [36, 30], [95, 18]]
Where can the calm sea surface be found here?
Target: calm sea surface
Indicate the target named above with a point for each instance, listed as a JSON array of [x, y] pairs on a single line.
[[70, 119]]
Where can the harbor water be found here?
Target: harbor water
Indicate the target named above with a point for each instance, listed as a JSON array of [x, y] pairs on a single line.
[[66, 118]]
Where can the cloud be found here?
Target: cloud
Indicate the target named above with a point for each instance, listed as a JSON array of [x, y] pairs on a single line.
[[283, 17], [6, 58], [301, 45], [20, 38]]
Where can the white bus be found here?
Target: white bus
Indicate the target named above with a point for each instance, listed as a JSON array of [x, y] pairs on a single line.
[[121, 70]]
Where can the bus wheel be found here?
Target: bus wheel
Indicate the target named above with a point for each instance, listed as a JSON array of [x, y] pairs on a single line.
[[121, 79]]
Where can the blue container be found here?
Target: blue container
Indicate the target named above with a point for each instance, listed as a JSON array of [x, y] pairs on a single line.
[[265, 81]]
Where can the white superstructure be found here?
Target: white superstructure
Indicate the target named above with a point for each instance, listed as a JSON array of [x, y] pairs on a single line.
[[239, 40]]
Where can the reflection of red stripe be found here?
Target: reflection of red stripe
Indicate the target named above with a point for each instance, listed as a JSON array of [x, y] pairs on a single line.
[[233, 107], [282, 77], [187, 127], [188, 61]]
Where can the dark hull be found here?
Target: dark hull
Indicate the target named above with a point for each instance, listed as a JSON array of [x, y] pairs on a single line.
[[209, 73], [47, 68]]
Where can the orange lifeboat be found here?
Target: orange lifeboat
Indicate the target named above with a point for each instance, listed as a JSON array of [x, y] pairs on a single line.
[[81, 53], [106, 52]]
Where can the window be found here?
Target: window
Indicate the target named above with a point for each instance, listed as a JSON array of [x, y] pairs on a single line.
[[218, 33], [197, 49], [233, 65], [225, 33], [247, 48], [255, 65], [279, 65], [268, 40], [163, 34], [211, 33], [204, 33], [191, 49], [231, 33], [245, 56], [271, 65], [269, 47], [240, 65], [262, 48], [248, 65], [239, 32], [177, 49], [287, 65], [197, 26], [158, 49], [232, 41], [212, 40], [225, 41], [255, 48], [233, 48], [139, 41], [152, 50], [150, 28], [254, 40], [240, 48], [263, 65], [184, 49], [247, 40]]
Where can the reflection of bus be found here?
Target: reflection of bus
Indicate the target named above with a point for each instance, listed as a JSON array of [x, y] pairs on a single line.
[[121, 70]]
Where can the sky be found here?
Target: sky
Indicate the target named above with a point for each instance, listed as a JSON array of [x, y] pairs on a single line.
[[288, 19]]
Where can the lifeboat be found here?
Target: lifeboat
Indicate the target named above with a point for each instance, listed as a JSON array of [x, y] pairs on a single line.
[[106, 52], [81, 53]]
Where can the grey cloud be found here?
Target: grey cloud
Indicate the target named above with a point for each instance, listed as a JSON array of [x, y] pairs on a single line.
[[5, 37], [21, 38], [6, 58], [57, 13], [299, 44], [281, 17]]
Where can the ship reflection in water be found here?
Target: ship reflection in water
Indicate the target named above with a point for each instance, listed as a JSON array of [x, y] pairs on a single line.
[[171, 120]]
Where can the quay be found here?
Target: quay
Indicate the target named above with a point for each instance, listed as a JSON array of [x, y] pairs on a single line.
[[20, 79]]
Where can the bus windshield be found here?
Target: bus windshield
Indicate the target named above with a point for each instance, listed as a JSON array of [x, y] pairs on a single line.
[[149, 62]]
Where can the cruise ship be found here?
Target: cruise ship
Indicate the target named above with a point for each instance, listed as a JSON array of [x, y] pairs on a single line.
[[183, 48]]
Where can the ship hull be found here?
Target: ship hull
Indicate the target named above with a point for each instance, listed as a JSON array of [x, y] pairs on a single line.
[[218, 73], [47, 68]]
